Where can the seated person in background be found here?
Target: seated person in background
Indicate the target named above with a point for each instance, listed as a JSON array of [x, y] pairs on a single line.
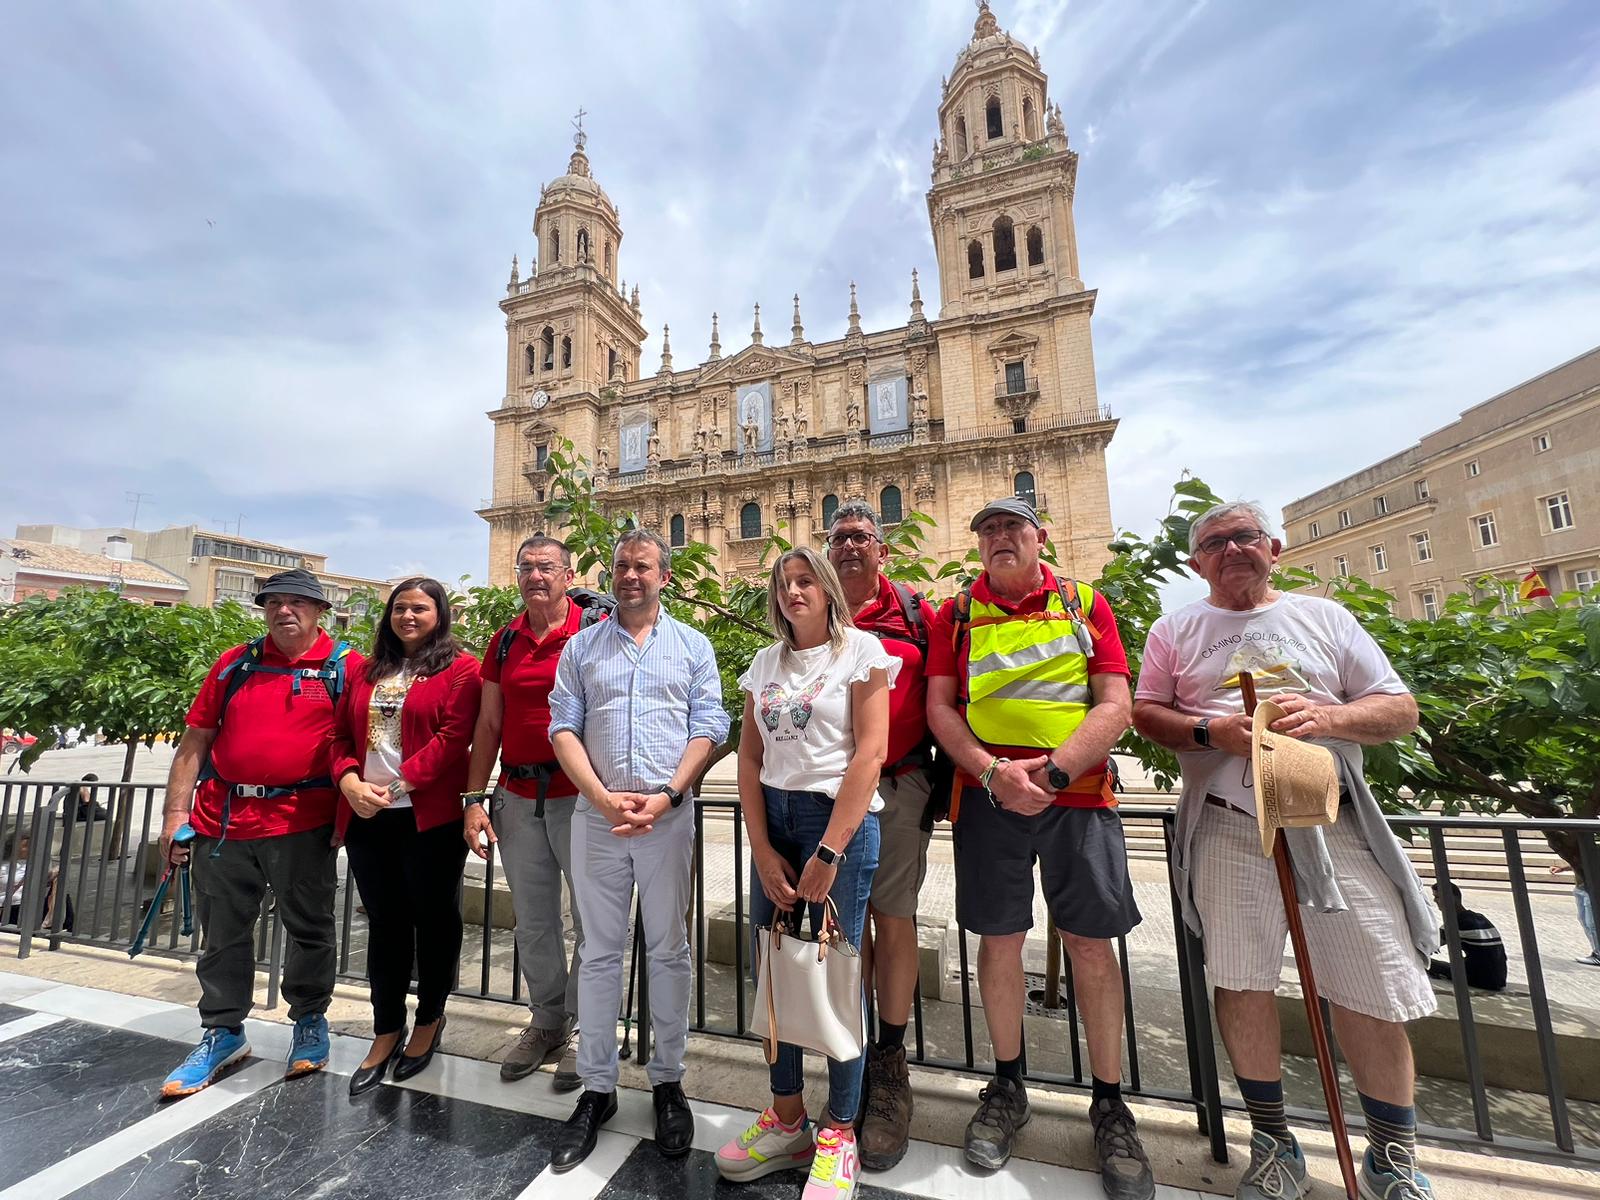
[[16, 846], [1481, 947]]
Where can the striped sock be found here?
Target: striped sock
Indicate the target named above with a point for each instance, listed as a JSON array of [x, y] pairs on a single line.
[[1389, 1125], [1264, 1100]]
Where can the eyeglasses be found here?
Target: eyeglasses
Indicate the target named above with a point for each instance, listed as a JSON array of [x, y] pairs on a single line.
[[858, 538], [1245, 537], [538, 568]]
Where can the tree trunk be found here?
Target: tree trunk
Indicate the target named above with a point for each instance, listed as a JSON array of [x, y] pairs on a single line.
[[122, 800]]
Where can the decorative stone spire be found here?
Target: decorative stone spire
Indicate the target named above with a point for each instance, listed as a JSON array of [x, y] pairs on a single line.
[[855, 313], [986, 25], [579, 162], [755, 332], [633, 300], [716, 342], [1053, 123], [916, 296], [666, 350], [797, 329], [515, 275]]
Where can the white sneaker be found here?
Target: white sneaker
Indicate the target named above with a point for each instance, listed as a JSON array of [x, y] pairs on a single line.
[[766, 1147], [835, 1168]]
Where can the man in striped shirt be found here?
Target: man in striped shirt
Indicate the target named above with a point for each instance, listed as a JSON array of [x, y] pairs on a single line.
[[634, 717]]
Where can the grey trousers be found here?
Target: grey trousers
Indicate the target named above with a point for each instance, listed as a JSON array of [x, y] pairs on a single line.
[[535, 853], [608, 868], [299, 868]]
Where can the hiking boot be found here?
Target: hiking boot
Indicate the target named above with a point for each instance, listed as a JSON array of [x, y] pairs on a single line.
[[533, 1049], [1002, 1110], [566, 1077], [886, 1115], [1276, 1171], [1124, 1169], [309, 1050], [218, 1050], [835, 1166], [1394, 1176], [766, 1147]]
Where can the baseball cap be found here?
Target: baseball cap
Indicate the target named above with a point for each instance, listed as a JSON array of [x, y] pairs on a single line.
[[1009, 505]]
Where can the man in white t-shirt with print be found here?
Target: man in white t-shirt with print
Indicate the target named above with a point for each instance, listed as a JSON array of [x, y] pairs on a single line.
[[1338, 689]]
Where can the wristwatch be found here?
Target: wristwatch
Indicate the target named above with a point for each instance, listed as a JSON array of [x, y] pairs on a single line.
[[671, 793], [829, 858], [1058, 778], [1202, 731]]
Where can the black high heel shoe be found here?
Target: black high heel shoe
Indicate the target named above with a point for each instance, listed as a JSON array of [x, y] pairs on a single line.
[[366, 1078], [408, 1066]]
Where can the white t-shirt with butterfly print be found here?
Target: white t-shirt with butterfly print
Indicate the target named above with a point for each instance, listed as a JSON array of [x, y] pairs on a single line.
[[802, 705]]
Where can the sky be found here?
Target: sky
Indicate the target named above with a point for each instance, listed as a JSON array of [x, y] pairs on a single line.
[[252, 253]]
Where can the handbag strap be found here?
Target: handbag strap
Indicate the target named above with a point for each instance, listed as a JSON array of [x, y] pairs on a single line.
[[770, 1043]]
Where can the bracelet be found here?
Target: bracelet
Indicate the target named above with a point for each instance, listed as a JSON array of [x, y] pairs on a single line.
[[988, 772], [474, 797]]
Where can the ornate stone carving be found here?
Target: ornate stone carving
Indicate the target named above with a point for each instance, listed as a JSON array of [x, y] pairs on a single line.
[[758, 366], [852, 415], [922, 488], [857, 373]]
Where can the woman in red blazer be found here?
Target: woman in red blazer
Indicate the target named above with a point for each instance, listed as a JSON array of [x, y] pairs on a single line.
[[400, 755]]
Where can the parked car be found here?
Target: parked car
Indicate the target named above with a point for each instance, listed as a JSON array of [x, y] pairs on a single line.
[[15, 743]]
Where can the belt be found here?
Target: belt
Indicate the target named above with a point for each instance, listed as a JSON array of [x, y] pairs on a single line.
[[540, 772], [1219, 802]]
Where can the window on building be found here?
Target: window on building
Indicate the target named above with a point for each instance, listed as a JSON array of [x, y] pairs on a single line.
[[994, 120], [1422, 547], [1422, 489], [960, 138], [611, 363], [1310, 568], [974, 260], [1314, 530], [677, 535], [1016, 379], [1380, 506], [530, 359], [1558, 511], [1428, 605], [889, 510], [1022, 488], [1483, 526], [555, 244], [1019, 424], [750, 520], [1341, 566], [1005, 245], [1030, 120], [608, 258], [1035, 246], [1344, 518], [830, 505], [1586, 580], [1380, 557], [547, 348], [583, 245], [566, 352], [1473, 470], [541, 455], [1541, 442]]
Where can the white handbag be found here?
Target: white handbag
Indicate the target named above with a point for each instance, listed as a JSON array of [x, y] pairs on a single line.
[[808, 992]]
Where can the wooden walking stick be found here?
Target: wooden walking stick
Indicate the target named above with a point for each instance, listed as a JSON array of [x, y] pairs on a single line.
[[1308, 981]]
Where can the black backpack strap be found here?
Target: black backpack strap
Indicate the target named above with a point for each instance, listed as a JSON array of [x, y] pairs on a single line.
[[911, 610], [502, 646]]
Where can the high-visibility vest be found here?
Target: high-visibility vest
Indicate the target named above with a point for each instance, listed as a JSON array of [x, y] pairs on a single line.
[[1028, 673]]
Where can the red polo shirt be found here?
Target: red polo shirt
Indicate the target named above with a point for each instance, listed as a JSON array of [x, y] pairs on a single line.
[[525, 680], [908, 701], [1087, 791], [271, 736]]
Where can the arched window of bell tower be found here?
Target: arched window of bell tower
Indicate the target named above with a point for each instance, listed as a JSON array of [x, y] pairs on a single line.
[[1035, 246], [555, 244], [1005, 245], [608, 258], [1030, 120], [960, 136], [995, 126], [566, 352], [530, 361], [974, 260], [583, 245], [547, 348]]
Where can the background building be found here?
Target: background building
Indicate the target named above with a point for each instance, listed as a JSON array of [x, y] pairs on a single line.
[[212, 566], [41, 568], [1510, 487], [996, 396]]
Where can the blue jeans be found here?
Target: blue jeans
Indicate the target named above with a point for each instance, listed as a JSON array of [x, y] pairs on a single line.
[[796, 822], [1585, 913]]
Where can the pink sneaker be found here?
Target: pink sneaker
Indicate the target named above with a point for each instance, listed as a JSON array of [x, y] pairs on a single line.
[[767, 1146], [835, 1167]]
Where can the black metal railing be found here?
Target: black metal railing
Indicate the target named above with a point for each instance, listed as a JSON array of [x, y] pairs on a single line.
[[89, 882]]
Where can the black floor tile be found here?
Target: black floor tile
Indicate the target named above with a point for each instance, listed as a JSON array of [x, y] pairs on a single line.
[[646, 1175], [307, 1137], [10, 1012], [65, 1087]]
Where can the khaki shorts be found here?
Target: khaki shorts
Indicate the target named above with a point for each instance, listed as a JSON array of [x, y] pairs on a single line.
[[1363, 956], [902, 846]]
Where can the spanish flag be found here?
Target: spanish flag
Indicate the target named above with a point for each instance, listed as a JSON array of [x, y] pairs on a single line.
[[1532, 586]]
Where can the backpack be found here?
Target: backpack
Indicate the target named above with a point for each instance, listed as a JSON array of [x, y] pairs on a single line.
[[331, 673], [593, 607], [911, 610]]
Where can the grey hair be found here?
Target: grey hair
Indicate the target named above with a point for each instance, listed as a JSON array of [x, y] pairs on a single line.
[[857, 510], [1229, 508], [541, 541], [664, 551]]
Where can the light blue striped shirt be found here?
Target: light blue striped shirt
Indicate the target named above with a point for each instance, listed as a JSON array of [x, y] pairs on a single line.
[[636, 708]]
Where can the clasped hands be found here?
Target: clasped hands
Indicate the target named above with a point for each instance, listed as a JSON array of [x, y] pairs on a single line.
[[632, 814], [1303, 718]]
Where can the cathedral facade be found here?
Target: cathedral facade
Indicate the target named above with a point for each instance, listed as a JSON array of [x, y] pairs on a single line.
[[994, 396]]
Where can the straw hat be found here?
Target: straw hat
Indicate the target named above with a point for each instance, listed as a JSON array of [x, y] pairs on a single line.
[[1297, 783]]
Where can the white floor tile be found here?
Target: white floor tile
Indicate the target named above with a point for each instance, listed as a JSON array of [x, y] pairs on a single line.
[[23, 1026], [586, 1180]]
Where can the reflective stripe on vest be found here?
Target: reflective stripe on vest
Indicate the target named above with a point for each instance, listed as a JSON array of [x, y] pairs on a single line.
[[1028, 674]]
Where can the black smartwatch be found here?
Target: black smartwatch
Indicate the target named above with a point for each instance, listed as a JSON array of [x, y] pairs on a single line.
[[1058, 778], [1202, 732], [671, 793], [829, 858]]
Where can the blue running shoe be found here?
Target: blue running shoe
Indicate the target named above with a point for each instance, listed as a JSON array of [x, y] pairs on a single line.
[[218, 1050], [309, 1051], [1393, 1177]]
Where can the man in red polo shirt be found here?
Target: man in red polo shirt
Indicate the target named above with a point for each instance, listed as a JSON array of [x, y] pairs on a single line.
[[903, 621], [530, 813], [258, 741], [1028, 692]]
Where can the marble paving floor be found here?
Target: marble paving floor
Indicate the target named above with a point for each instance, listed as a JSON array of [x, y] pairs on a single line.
[[80, 1070]]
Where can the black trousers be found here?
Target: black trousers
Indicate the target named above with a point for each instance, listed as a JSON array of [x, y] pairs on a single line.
[[409, 883]]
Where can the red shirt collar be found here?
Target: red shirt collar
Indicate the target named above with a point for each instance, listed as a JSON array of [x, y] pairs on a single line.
[[320, 649], [982, 592], [566, 628]]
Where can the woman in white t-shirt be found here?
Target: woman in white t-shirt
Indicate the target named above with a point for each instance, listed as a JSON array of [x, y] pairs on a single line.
[[815, 733]]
